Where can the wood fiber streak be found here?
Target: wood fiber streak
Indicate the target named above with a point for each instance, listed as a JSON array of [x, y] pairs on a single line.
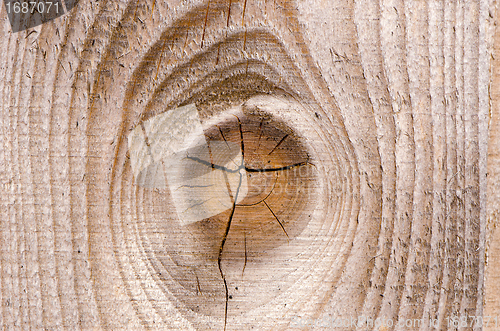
[[491, 301], [368, 30], [439, 141], [395, 62], [368, 178]]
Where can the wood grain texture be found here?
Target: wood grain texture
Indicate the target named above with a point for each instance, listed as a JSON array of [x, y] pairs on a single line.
[[492, 290], [383, 112]]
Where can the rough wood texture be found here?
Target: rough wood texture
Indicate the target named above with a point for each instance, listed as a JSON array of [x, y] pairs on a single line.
[[380, 119]]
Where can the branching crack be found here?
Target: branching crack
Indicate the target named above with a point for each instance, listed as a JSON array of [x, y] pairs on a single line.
[[234, 199]]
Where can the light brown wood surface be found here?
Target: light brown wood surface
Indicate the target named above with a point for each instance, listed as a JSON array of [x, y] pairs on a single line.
[[367, 133]]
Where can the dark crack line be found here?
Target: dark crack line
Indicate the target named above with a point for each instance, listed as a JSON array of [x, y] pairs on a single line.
[[277, 169], [267, 196], [241, 138], [214, 166], [219, 258], [227, 144], [245, 46], [228, 187], [223, 137], [211, 157], [260, 135], [276, 217], [282, 139]]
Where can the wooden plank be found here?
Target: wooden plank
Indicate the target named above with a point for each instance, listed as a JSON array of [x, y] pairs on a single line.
[[339, 168]]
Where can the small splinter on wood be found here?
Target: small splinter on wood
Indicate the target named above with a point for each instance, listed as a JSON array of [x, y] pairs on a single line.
[[205, 25], [161, 57], [198, 288], [153, 9], [245, 243], [243, 16]]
